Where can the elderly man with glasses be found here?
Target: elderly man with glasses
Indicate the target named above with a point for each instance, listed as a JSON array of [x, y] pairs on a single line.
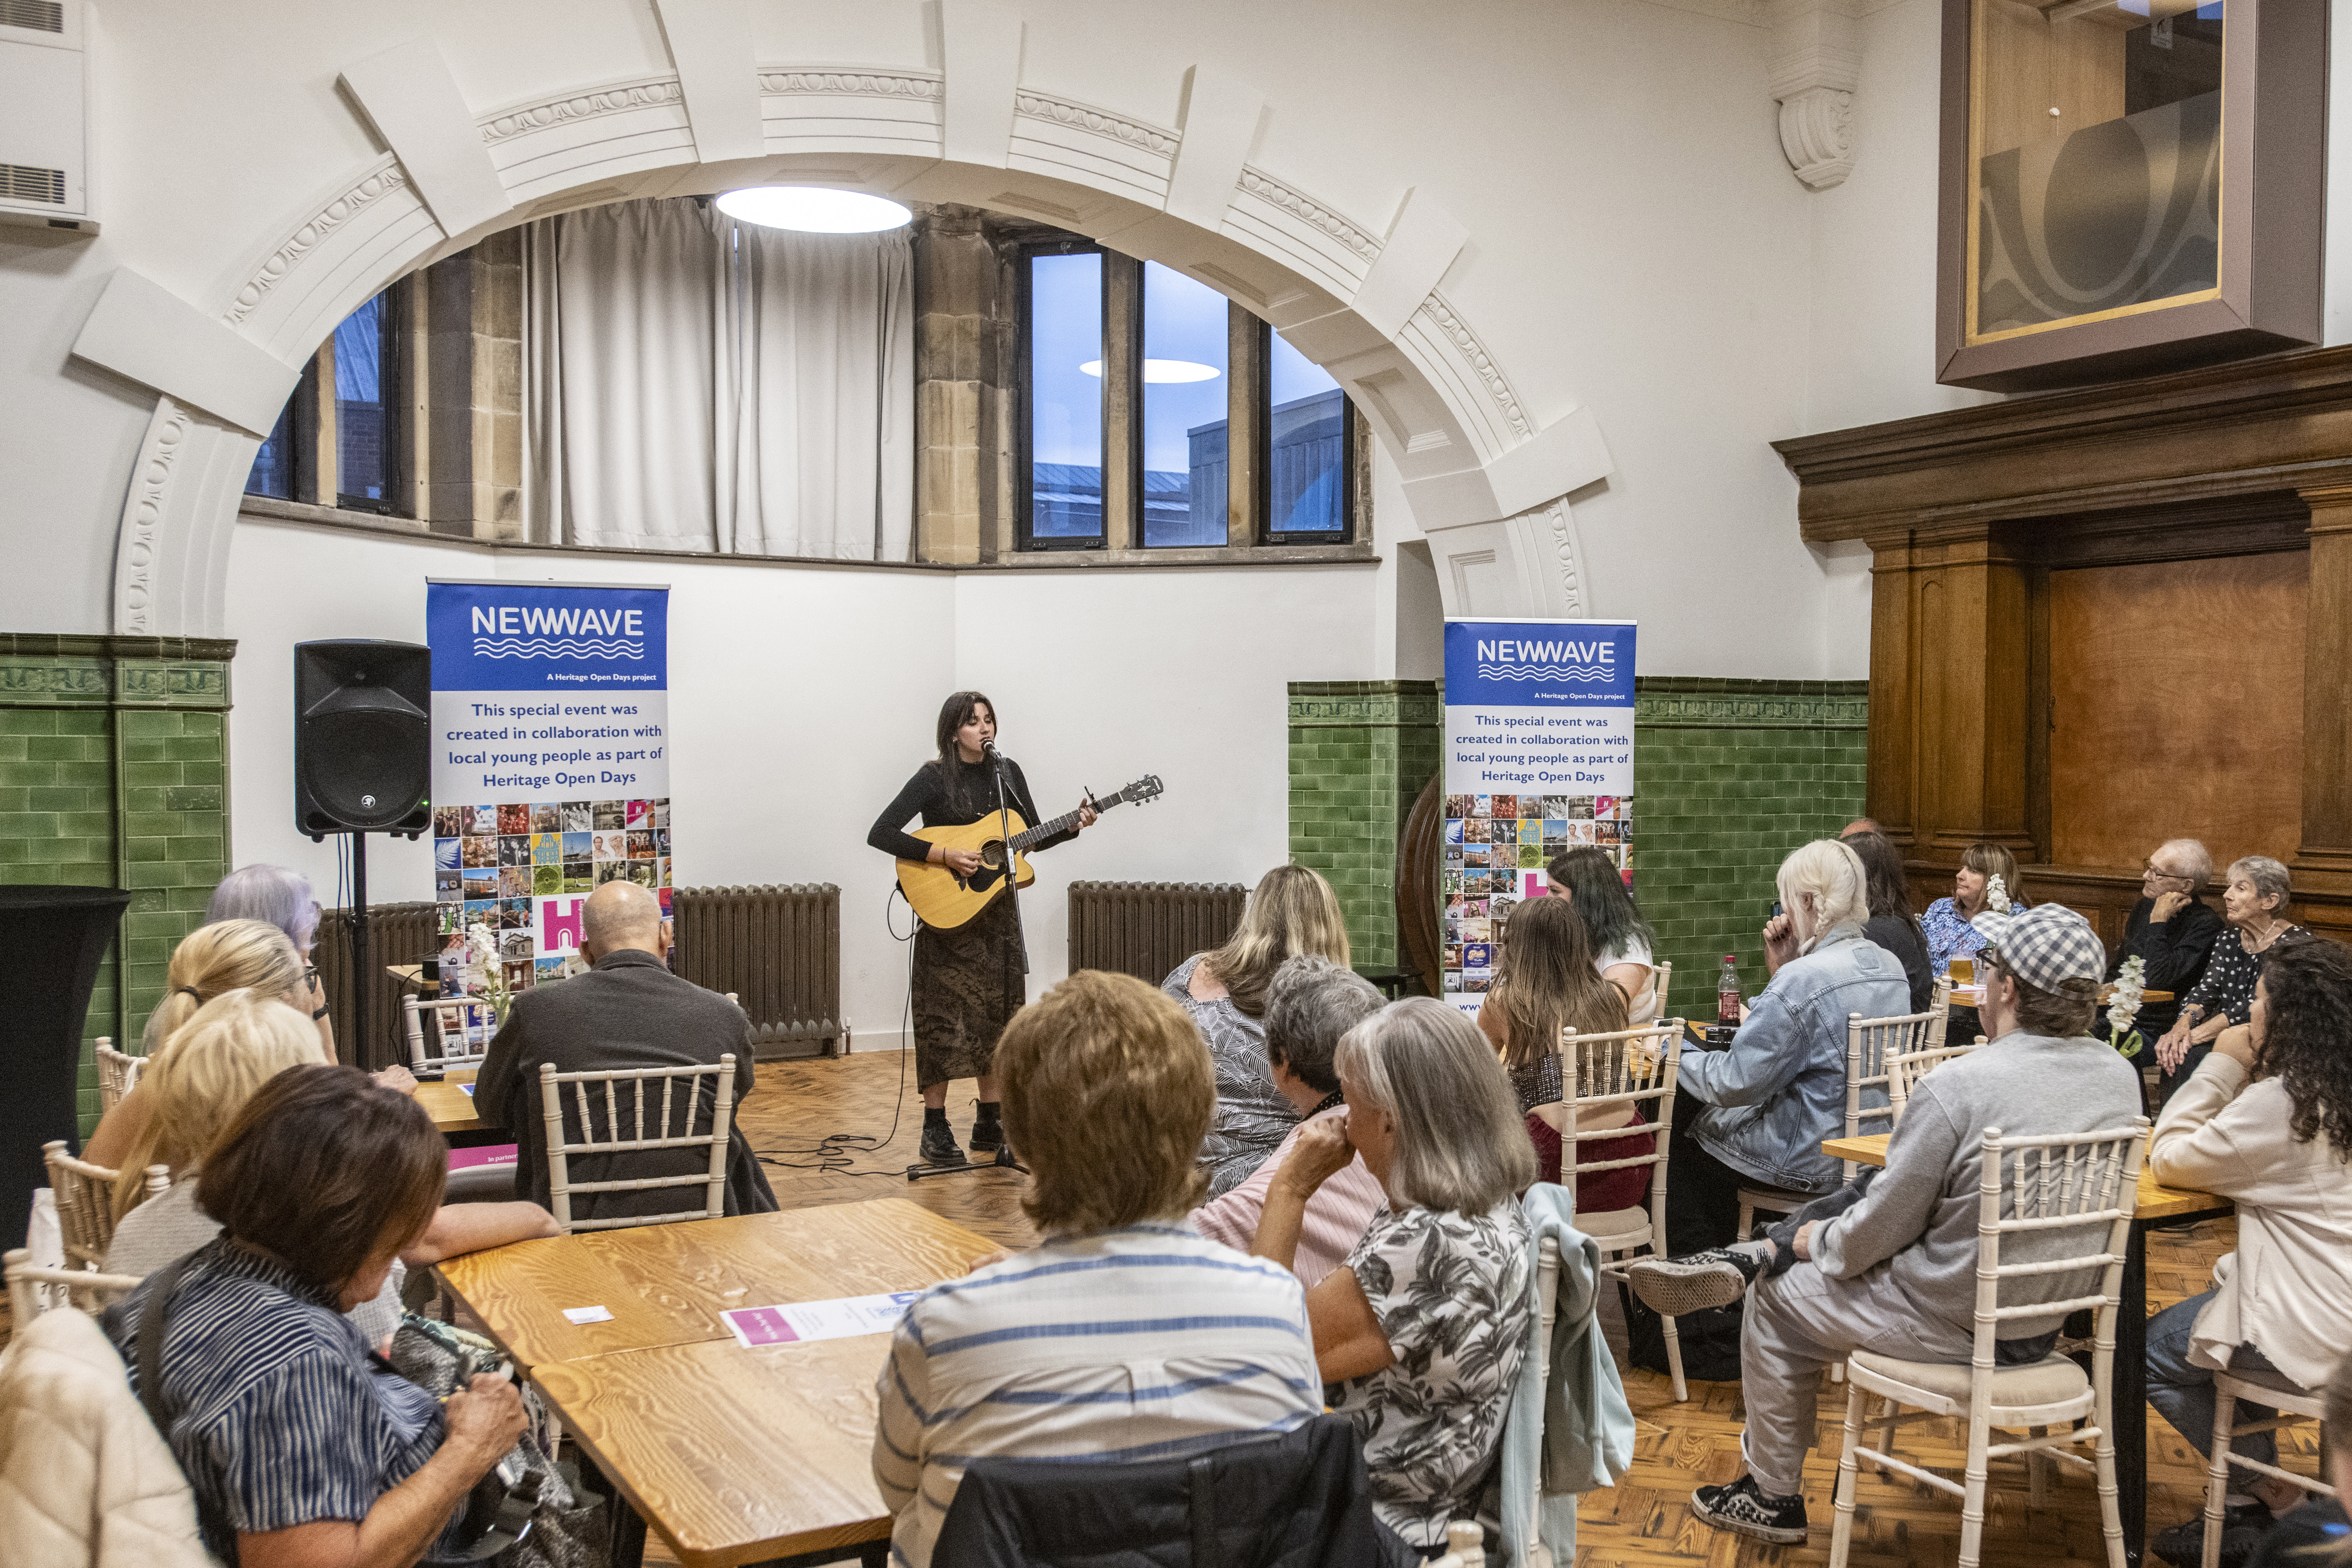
[[2172, 928]]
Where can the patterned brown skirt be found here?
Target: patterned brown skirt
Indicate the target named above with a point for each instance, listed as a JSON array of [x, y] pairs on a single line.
[[968, 982]]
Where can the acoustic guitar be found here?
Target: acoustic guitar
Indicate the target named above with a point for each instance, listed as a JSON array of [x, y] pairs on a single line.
[[946, 900]]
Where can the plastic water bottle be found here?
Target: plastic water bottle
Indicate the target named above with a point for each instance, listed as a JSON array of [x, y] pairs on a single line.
[[1727, 992]]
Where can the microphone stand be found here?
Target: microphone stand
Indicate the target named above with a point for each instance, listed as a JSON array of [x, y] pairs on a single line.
[[1004, 1160]]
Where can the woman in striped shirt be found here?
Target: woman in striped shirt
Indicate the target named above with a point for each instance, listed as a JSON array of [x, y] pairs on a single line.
[[1122, 1335], [298, 1451]]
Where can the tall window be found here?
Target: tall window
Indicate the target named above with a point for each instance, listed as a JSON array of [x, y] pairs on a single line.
[[1312, 438], [1147, 394], [1063, 428], [1186, 394], [338, 440]]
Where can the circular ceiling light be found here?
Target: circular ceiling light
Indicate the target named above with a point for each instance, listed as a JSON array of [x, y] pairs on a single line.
[[813, 209], [1163, 370]]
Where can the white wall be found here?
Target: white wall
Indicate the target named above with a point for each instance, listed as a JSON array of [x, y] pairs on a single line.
[[801, 698], [1637, 247]]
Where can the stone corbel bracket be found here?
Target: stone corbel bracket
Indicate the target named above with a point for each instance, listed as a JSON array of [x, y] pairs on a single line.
[[1816, 64]]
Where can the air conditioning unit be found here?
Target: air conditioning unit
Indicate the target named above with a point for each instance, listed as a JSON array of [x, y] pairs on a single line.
[[48, 165]]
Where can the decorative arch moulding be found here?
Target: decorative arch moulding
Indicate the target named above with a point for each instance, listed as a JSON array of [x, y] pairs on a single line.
[[1448, 409]]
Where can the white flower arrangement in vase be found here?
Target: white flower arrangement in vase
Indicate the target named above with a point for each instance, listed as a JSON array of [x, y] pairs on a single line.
[[482, 956], [2131, 984]]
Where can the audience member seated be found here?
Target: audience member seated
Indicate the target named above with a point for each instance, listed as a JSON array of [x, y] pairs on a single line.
[[297, 1452], [2255, 904], [1547, 981], [1620, 939], [231, 955], [215, 1063], [1947, 922], [627, 1011], [1891, 925], [2171, 930], [1890, 1265], [1860, 825], [1121, 1334], [1311, 1002], [1293, 911], [2266, 1120], [276, 896], [1423, 1329]]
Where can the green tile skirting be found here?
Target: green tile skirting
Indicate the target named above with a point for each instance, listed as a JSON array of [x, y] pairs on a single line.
[[1729, 776], [113, 773]]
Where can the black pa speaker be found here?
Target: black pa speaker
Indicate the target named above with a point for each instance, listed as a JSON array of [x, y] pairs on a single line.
[[362, 737]]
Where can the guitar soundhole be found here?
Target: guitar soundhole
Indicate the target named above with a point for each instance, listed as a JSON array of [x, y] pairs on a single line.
[[992, 854]]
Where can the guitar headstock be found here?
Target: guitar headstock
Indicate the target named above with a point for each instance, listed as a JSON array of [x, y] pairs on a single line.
[[1147, 787]]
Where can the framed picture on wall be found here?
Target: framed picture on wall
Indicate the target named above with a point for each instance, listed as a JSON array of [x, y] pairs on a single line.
[[2128, 186]]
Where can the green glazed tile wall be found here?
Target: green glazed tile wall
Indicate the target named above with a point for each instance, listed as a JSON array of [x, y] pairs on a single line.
[[113, 773], [1729, 776], [1360, 751]]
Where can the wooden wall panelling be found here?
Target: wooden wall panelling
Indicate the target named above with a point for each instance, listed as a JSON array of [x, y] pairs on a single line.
[[2324, 857], [1891, 796], [2177, 699], [1971, 718]]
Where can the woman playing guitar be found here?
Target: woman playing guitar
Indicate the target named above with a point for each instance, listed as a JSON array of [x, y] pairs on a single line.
[[968, 981]]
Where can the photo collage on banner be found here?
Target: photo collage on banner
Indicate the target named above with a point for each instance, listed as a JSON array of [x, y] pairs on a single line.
[[550, 771], [1538, 761]]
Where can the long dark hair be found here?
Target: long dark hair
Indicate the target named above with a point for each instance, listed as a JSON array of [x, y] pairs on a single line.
[[1547, 981], [2307, 1016], [955, 713], [1888, 884], [1593, 886]]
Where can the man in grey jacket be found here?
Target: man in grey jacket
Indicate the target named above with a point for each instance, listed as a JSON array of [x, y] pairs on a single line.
[[1889, 1265]]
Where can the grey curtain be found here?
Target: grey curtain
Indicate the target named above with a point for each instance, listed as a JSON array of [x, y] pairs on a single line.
[[691, 385]]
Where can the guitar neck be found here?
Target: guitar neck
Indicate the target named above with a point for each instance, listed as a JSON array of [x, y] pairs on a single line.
[[1063, 824]]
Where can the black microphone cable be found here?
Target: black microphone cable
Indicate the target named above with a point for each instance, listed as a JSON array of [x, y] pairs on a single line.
[[835, 1152]]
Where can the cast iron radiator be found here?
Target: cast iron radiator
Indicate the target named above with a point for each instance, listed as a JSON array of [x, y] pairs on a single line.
[[778, 948], [397, 933], [1145, 928]]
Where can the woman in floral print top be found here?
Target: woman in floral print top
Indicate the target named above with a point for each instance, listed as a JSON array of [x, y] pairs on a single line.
[[1418, 1338]]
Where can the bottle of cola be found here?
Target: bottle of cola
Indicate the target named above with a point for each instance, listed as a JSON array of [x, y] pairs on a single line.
[[1727, 992]]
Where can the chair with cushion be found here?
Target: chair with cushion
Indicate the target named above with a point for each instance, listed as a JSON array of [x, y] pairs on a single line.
[[623, 1096], [1613, 1071], [2294, 1403], [117, 1073], [2081, 1184], [459, 1036], [1303, 1497], [33, 1289]]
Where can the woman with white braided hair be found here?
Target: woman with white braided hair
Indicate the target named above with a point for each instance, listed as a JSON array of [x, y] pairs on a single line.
[[1755, 1113]]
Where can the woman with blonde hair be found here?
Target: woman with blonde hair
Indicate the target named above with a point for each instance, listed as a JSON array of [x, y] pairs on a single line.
[[1424, 1328], [212, 959], [1547, 981], [1292, 911], [199, 1086]]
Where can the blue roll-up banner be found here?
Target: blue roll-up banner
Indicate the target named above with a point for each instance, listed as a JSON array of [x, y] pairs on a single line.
[[1538, 760], [551, 762]]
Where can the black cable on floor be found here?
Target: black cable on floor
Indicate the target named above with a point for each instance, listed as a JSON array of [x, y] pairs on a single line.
[[835, 1151]]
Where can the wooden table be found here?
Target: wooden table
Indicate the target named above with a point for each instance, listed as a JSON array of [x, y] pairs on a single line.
[[733, 1456], [452, 1107], [2156, 1204], [1971, 995]]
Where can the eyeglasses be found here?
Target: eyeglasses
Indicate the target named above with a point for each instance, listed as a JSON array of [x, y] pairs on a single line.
[[2150, 869]]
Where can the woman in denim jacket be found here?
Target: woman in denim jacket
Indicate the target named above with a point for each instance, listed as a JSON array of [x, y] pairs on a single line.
[[1755, 1114]]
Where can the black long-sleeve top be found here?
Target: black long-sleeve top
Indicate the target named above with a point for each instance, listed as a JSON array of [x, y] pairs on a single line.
[[2175, 955], [951, 800]]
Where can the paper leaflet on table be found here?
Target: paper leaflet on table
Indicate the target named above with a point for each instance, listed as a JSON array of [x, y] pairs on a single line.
[[795, 1321]]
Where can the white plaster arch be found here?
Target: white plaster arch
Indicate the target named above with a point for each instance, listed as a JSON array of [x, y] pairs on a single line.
[[1486, 477]]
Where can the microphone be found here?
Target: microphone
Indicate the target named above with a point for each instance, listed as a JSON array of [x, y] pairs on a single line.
[[988, 750]]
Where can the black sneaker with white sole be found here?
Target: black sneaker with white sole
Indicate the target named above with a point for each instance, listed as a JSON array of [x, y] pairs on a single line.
[[1743, 1509], [939, 1147], [1676, 1287]]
